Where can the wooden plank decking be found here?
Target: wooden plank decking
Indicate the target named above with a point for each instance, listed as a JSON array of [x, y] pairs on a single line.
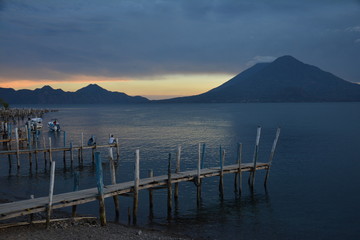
[[25, 207]]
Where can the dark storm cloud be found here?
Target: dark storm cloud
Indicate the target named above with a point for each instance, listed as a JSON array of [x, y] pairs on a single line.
[[144, 38]]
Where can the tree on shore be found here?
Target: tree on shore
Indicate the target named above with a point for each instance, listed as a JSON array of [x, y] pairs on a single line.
[[4, 104]]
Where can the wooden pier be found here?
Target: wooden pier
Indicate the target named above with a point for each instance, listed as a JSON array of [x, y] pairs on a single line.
[[77, 197], [25, 207]]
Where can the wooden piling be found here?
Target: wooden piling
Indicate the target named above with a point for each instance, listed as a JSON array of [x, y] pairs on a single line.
[[31, 215], [221, 183], [36, 156], [239, 161], [45, 160], [255, 157], [79, 155], [169, 189], [75, 188], [82, 145], [50, 151], [93, 154], [9, 157], [272, 155], [117, 149], [113, 181], [203, 155], [198, 180], [177, 170], [29, 144], [71, 153], [136, 185], [51, 192], [17, 147], [111, 155], [64, 154], [100, 187], [151, 203]]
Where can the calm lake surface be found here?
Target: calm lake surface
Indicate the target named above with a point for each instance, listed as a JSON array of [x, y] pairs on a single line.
[[314, 184]]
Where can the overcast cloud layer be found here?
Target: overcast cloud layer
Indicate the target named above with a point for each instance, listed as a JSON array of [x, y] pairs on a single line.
[[42, 39]]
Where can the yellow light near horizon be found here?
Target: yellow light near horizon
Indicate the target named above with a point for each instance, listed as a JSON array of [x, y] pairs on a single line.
[[164, 86]]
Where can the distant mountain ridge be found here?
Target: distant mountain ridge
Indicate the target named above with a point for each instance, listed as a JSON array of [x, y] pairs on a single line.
[[92, 93], [284, 80]]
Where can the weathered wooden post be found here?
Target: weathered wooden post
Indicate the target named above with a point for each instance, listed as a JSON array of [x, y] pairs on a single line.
[[198, 180], [71, 153], [9, 156], [239, 174], [169, 189], [151, 203], [64, 158], [36, 156], [100, 187], [75, 188], [10, 131], [82, 145], [117, 149], [111, 155], [29, 143], [93, 148], [79, 154], [17, 147], [256, 151], [136, 185], [51, 192], [221, 183], [50, 151], [272, 155], [45, 160], [203, 156], [31, 215], [177, 170], [113, 181]]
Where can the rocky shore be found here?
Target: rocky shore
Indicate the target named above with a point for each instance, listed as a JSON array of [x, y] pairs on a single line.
[[84, 229]]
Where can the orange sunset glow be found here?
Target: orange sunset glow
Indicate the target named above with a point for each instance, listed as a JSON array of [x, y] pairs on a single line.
[[165, 87]]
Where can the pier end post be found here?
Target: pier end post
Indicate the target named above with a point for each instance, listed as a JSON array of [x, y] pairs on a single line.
[[100, 187]]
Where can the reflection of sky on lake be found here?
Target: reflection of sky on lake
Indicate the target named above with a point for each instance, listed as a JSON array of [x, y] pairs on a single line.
[[315, 166]]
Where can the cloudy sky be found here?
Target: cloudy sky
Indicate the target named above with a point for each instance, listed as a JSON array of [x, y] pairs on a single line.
[[161, 48]]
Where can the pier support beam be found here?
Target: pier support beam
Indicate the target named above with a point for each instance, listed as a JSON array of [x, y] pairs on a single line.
[[177, 170], [51, 193], [113, 181], [136, 185], [151, 203], [75, 188], [221, 183], [117, 150], [169, 189], [198, 180], [272, 155], [100, 187], [17, 147], [256, 151], [238, 175]]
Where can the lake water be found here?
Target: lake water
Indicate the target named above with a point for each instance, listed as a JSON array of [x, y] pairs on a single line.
[[313, 190]]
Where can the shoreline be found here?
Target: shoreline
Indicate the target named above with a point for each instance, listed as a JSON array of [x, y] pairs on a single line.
[[88, 228]]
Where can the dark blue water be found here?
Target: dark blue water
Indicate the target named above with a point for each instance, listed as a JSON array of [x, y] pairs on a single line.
[[313, 190]]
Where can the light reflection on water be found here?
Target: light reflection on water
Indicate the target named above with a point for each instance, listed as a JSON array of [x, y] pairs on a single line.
[[311, 190]]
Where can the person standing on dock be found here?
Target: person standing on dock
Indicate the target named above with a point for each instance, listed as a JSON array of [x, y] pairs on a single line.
[[92, 141], [112, 139]]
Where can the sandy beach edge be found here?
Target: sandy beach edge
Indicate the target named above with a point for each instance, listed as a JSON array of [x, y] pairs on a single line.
[[85, 229]]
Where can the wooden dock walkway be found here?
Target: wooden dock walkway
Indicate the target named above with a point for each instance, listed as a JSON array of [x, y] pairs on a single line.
[[25, 207], [47, 203]]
